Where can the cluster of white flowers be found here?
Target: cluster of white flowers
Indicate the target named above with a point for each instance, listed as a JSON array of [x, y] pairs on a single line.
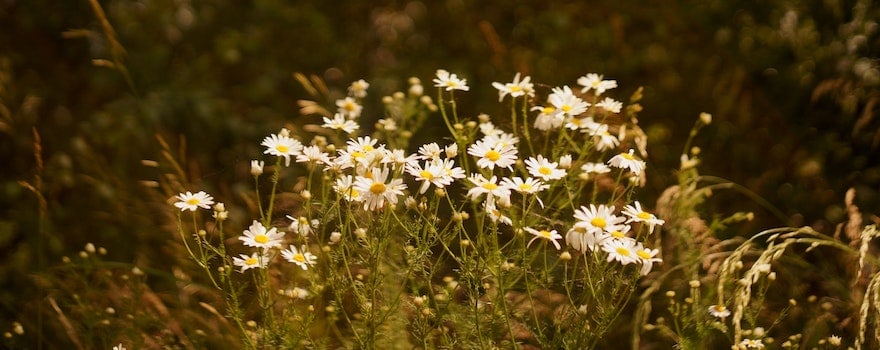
[[373, 176], [598, 229]]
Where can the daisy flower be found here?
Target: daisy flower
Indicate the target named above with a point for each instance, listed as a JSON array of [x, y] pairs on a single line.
[[428, 174], [581, 239], [542, 167], [255, 260], [496, 215], [429, 151], [548, 118], [636, 214], [598, 218], [340, 123], [313, 154], [450, 81], [361, 151], [527, 186], [628, 161], [193, 201], [489, 129], [752, 344], [593, 81], [359, 88], [719, 311], [575, 123], [302, 225], [375, 191], [349, 108], [280, 145], [550, 235], [595, 168], [501, 140], [610, 105], [300, 256], [619, 232], [450, 171], [257, 236], [489, 187], [647, 257], [491, 155], [345, 187], [620, 250], [399, 157], [565, 101], [516, 88], [603, 140]]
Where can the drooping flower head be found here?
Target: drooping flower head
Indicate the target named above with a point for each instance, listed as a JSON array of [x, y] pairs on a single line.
[[549, 235], [628, 161]]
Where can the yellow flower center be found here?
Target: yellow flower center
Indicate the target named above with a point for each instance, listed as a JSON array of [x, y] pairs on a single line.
[[643, 215], [368, 148], [427, 175], [548, 110], [193, 201], [515, 88], [282, 148], [299, 257], [544, 170], [489, 186], [355, 155], [598, 222], [525, 187], [545, 233], [251, 261], [627, 156], [261, 239], [643, 254], [493, 155], [567, 108], [377, 188], [349, 106], [622, 251], [719, 308], [595, 84], [617, 234]]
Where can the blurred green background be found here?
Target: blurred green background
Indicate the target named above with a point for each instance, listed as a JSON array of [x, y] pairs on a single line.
[[792, 86]]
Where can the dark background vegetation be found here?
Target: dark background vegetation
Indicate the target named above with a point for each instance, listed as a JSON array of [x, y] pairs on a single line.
[[792, 86]]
